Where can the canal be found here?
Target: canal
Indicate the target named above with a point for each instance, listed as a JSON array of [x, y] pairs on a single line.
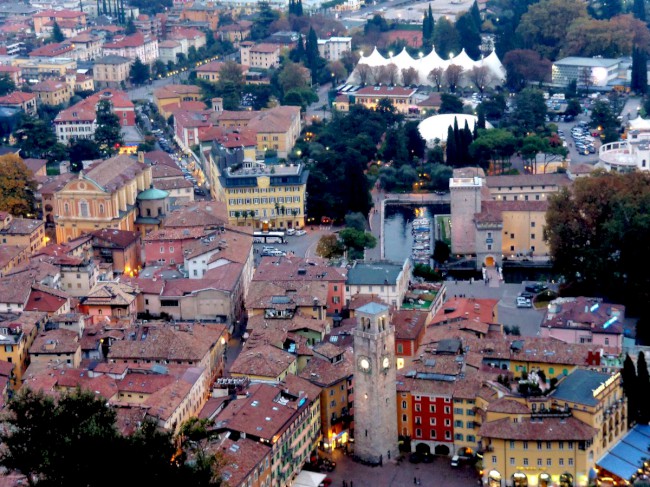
[[398, 239]]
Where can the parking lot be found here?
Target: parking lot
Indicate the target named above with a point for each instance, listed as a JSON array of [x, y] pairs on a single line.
[[301, 246]]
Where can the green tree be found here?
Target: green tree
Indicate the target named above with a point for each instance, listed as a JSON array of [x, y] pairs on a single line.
[[130, 28], [329, 247], [602, 116], [605, 9], [17, 186], [594, 232], [451, 151], [573, 108], [263, 19], [57, 34], [35, 138], [540, 29], [428, 26], [643, 384], [7, 85], [108, 134], [292, 76], [356, 221], [355, 242], [469, 35], [450, 104], [139, 72], [639, 82], [530, 111], [445, 38], [441, 252], [82, 150], [638, 10]]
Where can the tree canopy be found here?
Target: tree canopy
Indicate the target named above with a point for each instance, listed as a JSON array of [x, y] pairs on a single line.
[[17, 186], [108, 133], [595, 232], [139, 72]]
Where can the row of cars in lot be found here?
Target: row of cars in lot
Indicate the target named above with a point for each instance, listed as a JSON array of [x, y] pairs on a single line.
[[525, 298], [583, 138]]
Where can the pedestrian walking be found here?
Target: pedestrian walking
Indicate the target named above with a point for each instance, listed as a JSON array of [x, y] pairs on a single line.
[[415, 480]]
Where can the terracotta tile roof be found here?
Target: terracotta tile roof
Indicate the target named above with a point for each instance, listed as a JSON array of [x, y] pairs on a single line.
[[455, 309], [186, 33], [164, 402], [16, 98], [213, 407], [85, 109], [190, 233], [275, 120], [263, 361], [549, 429], [10, 252], [159, 157], [359, 300], [508, 406], [112, 238], [432, 101], [208, 214], [285, 295], [386, 91], [185, 287], [170, 184], [228, 245], [163, 342], [17, 288], [143, 383], [51, 50], [235, 115], [21, 226], [133, 40], [46, 299], [409, 324], [115, 172], [110, 294], [524, 180], [583, 313], [294, 268], [265, 48], [173, 91], [35, 165], [242, 457], [61, 14], [55, 342], [325, 373], [145, 286], [129, 419], [50, 86], [211, 67], [168, 44]]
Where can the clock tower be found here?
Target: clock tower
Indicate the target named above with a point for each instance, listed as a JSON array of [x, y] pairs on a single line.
[[375, 407]]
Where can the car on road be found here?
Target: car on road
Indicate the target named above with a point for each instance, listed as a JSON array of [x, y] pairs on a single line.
[[523, 302], [415, 457], [455, 461], [300, 233], [536, 288], [291, 231]]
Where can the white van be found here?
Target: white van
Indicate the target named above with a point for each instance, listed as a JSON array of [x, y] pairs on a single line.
[[290, 231], [523, 302]]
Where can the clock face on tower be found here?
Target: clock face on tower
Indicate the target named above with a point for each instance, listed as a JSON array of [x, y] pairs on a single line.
[[364, 364], [385, 363]]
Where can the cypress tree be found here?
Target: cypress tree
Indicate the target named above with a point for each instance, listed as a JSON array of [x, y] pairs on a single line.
[[643, 384], [630, 387], [639, 81], [299, 8], [476, 15], [480, 123], [451, 147], [638, 10]]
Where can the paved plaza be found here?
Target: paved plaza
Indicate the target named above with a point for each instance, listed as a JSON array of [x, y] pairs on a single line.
[[394, 474]]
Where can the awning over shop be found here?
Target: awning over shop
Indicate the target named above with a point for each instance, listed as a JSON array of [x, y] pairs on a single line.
[[309, 479], [628, 455]]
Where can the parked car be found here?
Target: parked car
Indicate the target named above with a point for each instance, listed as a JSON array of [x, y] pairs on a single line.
[[523, 302], [455, 461], [291, 231], [300, 233], [415, 457], [536, 288]]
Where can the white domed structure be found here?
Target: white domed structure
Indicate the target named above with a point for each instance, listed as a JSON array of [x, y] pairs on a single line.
[[436, 127]]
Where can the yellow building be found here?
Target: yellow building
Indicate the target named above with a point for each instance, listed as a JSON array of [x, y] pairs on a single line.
[[263, 55], [111, 70], [400, 97], [18, 335], [39, 68], [51, 92], [526, 187], [174, 95], [103, 197], [277, 130], [265, 363], [22, 231], [259, 195], [553, 439]]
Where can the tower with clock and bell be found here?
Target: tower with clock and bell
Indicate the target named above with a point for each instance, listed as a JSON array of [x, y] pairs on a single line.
[[375, 407]]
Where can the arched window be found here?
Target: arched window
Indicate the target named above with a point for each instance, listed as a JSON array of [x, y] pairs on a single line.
[[66, 209], [101, 209]]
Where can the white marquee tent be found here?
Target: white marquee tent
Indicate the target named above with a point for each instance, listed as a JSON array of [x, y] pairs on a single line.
[[436, 127], [426, 64]]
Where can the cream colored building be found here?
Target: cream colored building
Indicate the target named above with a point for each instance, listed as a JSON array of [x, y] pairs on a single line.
[[111, 70], [51, 92], [263, 55]]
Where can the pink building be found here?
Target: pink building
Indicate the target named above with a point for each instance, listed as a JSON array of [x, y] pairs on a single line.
[[585, 320], [167, 246], [138, 45]]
